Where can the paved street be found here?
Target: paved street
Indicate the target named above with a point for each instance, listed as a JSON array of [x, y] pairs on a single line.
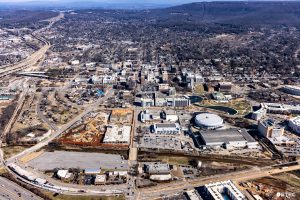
[[10, 190], [174, 187]]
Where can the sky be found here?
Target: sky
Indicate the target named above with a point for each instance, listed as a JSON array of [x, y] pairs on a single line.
[[109, 1]]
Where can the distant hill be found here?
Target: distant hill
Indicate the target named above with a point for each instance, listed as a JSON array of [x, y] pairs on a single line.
[[237, 13], [78, 5]]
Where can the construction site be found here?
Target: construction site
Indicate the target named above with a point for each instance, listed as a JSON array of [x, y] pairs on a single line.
[[89, 133], [280, 186], [105, 129]]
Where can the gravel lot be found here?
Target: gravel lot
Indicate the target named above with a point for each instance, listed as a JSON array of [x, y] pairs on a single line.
[[65, 159]]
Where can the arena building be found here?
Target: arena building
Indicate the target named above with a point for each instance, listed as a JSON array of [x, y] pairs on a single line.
[[209, 121]]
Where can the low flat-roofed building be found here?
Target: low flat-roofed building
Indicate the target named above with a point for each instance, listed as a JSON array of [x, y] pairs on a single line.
[[163, 87], [92, 171], [147, 102], [179, 102], [257, 115], [294, 124], [6, 97], [167, 129], [64, 175], [218, 96], [157, 168], [100, 179], [117, 134], [228, 138], [170, 115], [278, 108], [225, 86], [160, 177], [224, 190], [291, 89], [193, 195], [146, 116]]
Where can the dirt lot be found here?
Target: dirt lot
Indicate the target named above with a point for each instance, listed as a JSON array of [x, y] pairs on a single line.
[[282, 186]]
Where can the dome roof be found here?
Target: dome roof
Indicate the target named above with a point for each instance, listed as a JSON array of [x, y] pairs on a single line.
[[208, 120]]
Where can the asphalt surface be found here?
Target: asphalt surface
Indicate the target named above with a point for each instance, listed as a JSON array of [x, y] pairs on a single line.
[[83, 160], [10, 190]]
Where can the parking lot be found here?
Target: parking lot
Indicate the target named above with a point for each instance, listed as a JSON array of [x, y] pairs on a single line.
[[82, 160]]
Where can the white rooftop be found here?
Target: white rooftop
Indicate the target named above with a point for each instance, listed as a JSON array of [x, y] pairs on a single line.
[[296, 120], [117, 134]]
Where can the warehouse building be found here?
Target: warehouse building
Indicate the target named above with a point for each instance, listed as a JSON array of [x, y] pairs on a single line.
[[166, 129], [158, 171], [229, 139]]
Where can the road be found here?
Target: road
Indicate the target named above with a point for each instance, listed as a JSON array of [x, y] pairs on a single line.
[[10, 190], [17, 109], [27, 63], [42, 117], [175, 187], [35, 57], [55, 134]]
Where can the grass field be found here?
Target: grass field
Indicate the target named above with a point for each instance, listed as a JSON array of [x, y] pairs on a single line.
[[199, 89], [243, 107], [10, 151], [174, 160]]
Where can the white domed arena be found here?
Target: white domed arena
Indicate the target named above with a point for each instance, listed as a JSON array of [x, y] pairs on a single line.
[[209, 121]]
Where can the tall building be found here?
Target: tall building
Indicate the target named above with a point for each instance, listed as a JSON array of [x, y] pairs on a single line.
[[224, 190], [269, 128]]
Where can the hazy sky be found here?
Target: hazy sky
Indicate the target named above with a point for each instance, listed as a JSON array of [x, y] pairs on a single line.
[[109, 1]]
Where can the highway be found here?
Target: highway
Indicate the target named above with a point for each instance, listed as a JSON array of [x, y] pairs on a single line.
[[27, 63], [10, 190], [35, 57]]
